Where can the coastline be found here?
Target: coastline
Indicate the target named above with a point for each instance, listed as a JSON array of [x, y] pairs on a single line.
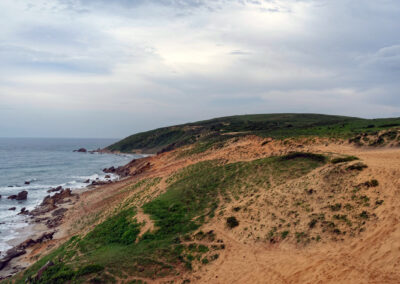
[[46, 225]]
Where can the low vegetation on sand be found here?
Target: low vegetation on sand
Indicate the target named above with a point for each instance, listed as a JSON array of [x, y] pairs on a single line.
[[171, 219], [113, 251]]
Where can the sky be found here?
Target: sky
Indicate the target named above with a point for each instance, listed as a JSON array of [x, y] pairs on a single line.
[[102, 68]]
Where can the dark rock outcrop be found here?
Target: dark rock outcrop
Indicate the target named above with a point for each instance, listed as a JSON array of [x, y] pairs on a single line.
[[49, 203], [140, 166], [109, 170], [81, 150], [30, 242], [23, 195], [55, 222], [23, 211], [21, 248], [11, 254], [100, 182], [12, 208], [59, 212], [55, 189], [20, 196]]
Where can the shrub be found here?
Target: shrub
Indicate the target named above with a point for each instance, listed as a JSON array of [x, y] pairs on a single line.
[[336, 207], [312, 223], [371, 183], [311, 156], [214, 257], [357, 167], [337, 231], [284, 234], [344, 159], [232, 222], [390, 135], [364, 215]]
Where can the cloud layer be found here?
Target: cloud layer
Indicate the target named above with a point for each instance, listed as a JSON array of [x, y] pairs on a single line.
[[97, 68]]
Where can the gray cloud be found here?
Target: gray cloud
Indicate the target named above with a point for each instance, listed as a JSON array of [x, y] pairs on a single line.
[[128, 66]]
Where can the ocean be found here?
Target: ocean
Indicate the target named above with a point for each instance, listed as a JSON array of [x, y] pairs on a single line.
[[45, 163]]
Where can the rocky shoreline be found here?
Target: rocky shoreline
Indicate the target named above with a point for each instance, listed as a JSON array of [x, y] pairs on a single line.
[[49, 215]]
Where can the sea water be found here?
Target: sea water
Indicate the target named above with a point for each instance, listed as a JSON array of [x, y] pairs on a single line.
[[45, 163]]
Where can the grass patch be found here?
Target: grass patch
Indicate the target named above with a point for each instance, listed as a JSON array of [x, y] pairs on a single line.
[[119, 229]]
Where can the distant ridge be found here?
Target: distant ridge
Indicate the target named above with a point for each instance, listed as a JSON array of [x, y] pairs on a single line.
[[281, 125]]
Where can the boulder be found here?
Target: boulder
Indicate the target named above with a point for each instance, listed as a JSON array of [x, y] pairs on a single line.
[[22, 195], [27, 182], [12, 208], [81, 150], [107, 176], [87, 181]]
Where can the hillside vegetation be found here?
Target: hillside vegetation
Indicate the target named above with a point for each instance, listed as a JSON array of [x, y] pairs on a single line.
[[113, 249], [240, 208], [263, 125]]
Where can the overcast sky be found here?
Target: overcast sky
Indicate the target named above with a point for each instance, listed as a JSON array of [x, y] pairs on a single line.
[[102, 68]]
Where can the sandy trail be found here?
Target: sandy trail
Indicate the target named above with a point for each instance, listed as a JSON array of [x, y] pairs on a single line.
[[148, 226]]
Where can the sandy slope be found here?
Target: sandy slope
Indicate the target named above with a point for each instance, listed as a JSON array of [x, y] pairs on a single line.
[[371, 257]]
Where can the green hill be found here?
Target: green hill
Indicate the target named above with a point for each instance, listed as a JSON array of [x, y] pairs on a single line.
[[265, 125]]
